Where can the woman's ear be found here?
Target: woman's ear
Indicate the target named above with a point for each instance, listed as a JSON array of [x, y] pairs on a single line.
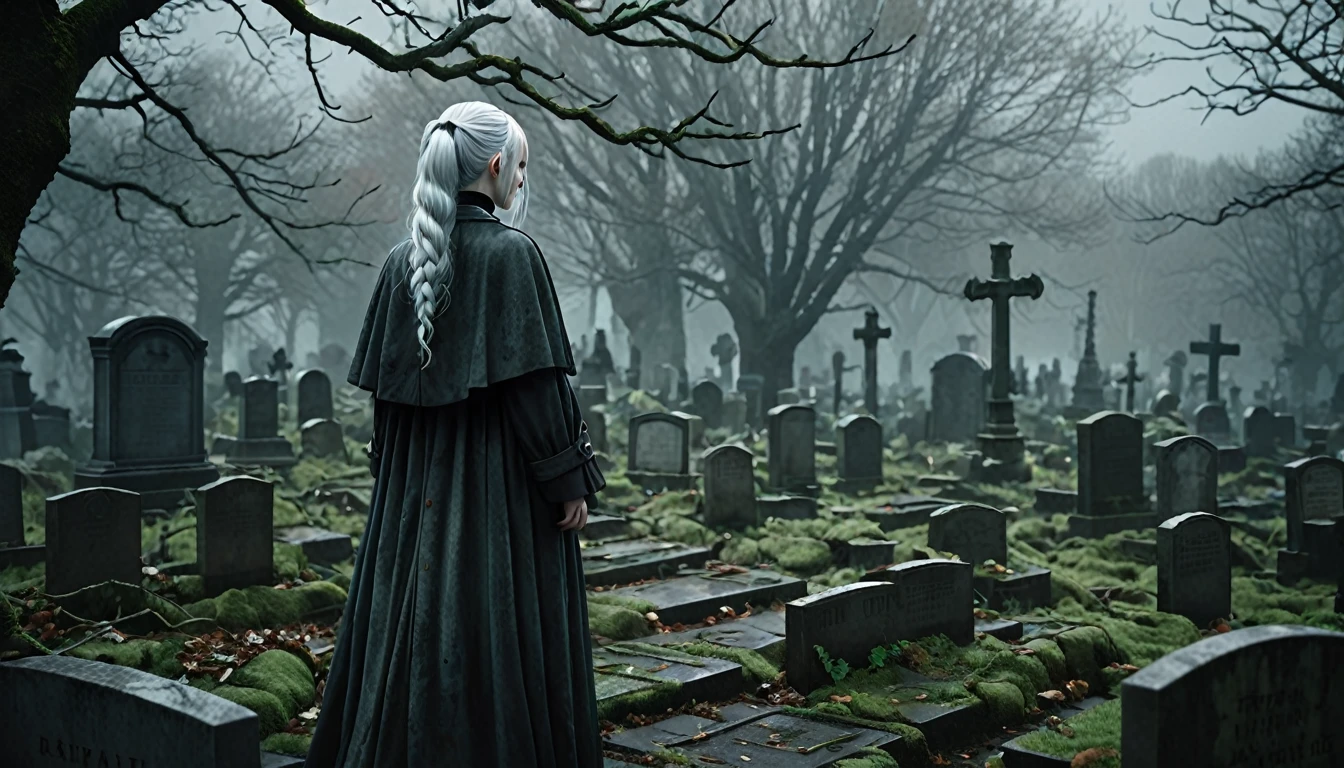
[[496, 163]]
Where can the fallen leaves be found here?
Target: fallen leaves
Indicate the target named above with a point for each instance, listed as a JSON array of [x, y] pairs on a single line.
[[1125, 667], [922, 697], [1089, 757], [1078, 689], [1056, 696], [841, 699]]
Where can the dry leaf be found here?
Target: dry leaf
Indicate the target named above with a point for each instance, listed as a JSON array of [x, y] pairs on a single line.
[[1078, 688], [1089, 757], [745, 759], [921, 697], [1025, 651], [699, 736], [841, 699], [1066, 731], [226, 674], [1051, 696], [650, 616]]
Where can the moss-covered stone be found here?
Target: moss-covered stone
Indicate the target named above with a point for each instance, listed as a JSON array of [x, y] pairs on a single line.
[[282, 674], [911, 750], [128, 653], [616, 622], [870, 757], [686, 531], [740, 550], [1097, 728], [1086, 651], [288, 744], [269, 708], [1049, 654], [1005, 702], [755, 667], [796, 553], [258, 607]]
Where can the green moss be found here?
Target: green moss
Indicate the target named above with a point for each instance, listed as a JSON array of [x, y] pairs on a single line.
[[270, 710], [756, 668], [163, 658], [288, 560], [1098, 727], [615, 622], [654, 699], [1005, 701], [870, 707], [281, 674], [257, 607], [128, 653], [797, 554], [853, 528], [629, 603], [868, 757], [1086, 651], [1050, 655], [288, 744], [1063, 588], [740, 550], [686, 531]]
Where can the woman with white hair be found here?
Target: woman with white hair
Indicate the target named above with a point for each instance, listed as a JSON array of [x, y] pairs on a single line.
[[465, 635]]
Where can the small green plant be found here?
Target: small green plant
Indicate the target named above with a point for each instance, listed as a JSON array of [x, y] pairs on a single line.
[[838, 669], [877, 658]]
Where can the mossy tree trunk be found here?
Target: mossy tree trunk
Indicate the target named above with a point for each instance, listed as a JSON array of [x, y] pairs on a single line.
[[45, 58]]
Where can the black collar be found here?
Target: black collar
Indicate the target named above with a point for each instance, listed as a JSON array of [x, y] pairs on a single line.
[[477, 199]]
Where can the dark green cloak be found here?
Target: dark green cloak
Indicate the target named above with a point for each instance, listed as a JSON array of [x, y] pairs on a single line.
[[464, 640]]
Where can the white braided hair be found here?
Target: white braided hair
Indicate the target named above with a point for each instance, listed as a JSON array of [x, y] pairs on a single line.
[[455, 151]]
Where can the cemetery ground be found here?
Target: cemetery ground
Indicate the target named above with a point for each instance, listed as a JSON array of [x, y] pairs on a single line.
[[697, 658]]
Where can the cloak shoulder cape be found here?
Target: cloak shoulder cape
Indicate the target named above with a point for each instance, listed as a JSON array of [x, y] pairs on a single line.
[[502, 319]]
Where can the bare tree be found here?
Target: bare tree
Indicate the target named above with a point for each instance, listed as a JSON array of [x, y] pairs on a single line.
[[1258, 52], [52, 53], [968, 131]]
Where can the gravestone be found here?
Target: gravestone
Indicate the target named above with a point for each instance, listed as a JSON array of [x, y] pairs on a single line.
[[973, 532], [1187, 476], [936, 598], [1285, 430], [148, 411], [1313, 501], [858, 453], [790, 396], [1258, 432], [51, 426], [1194, 567], [734, 413], [1110, 476], [314, 396], [958, 397], [319, 546], [18, 434], [90, 713], [1213, 423], [751, 386], [235, 522], [847, 622], [591, 396], [870, 334], [791, 448], [322, 439], [658, 451], [11, 507], [1165, 403], [1088, 397], [233, 383], [597, 430], [258, 440], [93, 535], [707, 403], [730, 487], [1262, 696]]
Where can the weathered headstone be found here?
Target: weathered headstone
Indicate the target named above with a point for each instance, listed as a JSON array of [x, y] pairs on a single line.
[[1314, 501], [93, 535], [1187, 476], [11, 507], [791, 448], [148, 413], [90, 713], [1165, 403], [234, 526], [1194, 567], [322, 439], [1110, 476], [1262, 696], [707, 402], [233, 383], [314, 396], [936, 598], [730, 487], [17, 432], [734, 412], [858, 453], [258, 426], [973, 532], [751, 386], [658, 450], [959, 398], [847, 623], [1212, 422], [591, 396], [1285, 430], [1258, 432]]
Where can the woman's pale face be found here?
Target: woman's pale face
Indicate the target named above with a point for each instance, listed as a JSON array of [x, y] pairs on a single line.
[[508, 190]]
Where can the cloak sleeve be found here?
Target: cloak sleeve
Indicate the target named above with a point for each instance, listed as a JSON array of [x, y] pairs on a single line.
[[547, 420], [499, 319]]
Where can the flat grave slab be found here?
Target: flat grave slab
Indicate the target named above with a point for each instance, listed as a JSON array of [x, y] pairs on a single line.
[[1006, 630], [760, 632], [618, 670], [694, 594], [621, 562], [23, 556], [651, 738], [1050, 501], [1017, 756], [318, 545], [906, 510], [941, 724], [1026, 588], [775, 740], [603, 527]]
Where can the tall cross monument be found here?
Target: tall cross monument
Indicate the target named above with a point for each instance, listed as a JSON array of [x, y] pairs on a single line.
[[1131, 377], [870, 334], [1001, 443], [1216, 350], [1088, 397]]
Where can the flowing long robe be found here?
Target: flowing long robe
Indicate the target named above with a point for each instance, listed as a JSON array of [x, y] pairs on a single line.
[[464, 640]]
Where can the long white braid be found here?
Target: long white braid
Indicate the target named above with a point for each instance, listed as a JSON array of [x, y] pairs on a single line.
[[454, 151]]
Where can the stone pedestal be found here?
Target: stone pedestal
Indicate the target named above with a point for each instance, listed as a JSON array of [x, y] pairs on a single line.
[[261, 451], [1026, 589]]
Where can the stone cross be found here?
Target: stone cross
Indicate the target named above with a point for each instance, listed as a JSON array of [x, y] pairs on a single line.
[[1131, 377], [999, 289], [280, 365], [1087, 394], [870, 334], [1216, 350], [632, 371]]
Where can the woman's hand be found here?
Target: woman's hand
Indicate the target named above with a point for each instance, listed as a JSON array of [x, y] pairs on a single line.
[[576, 515]]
